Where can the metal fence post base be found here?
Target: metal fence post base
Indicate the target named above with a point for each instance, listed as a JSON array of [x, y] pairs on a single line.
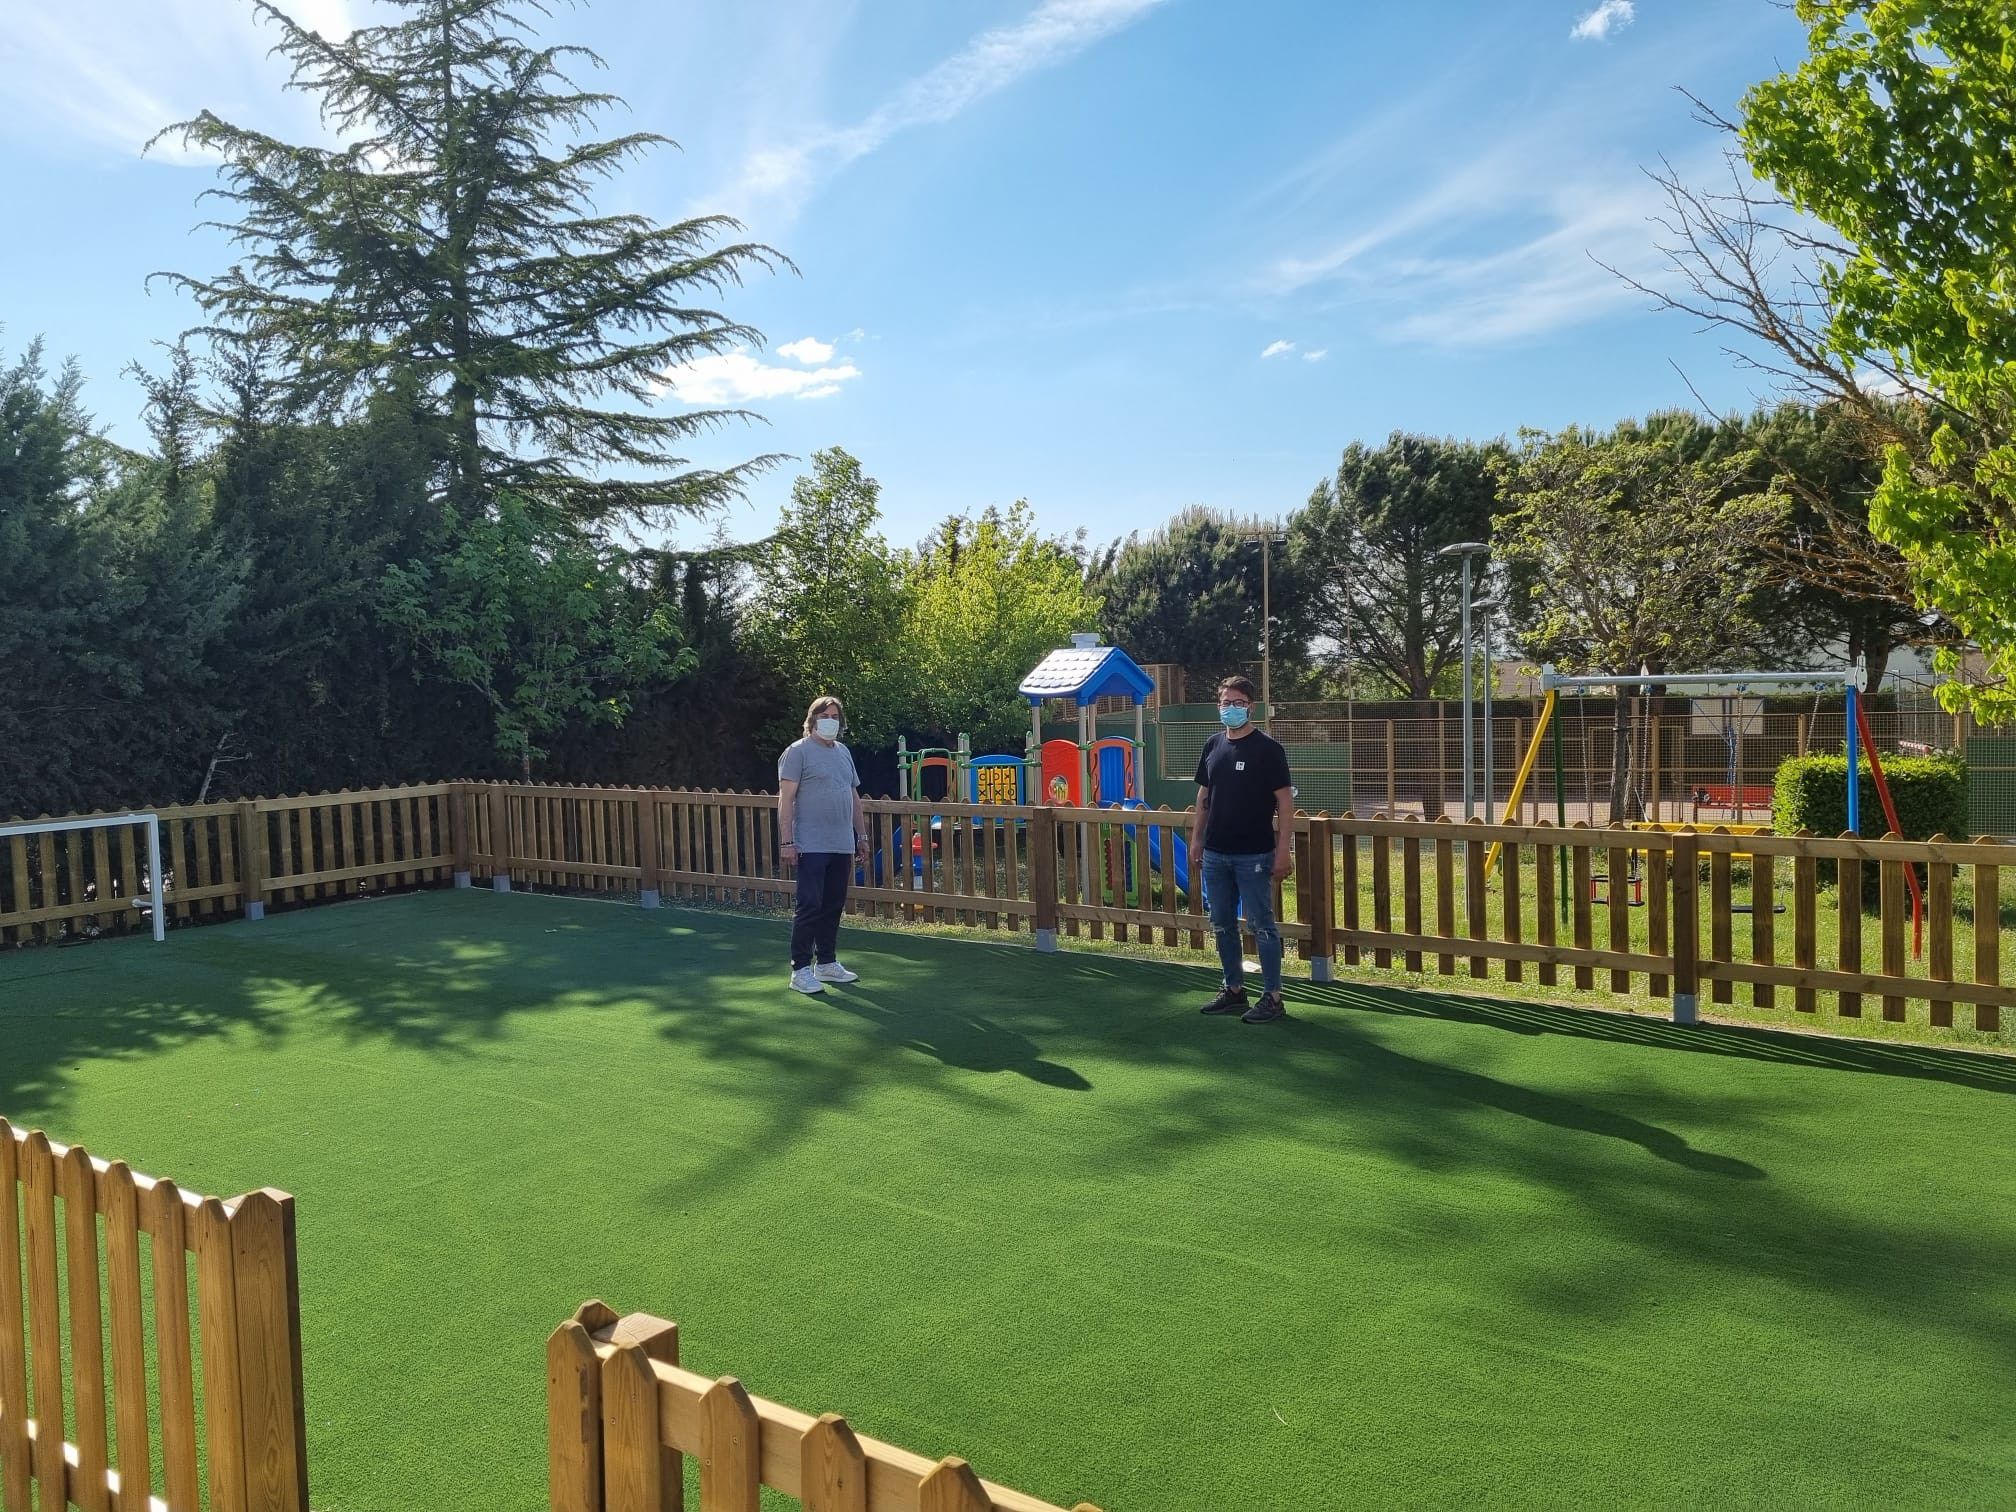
[[1046, 941], [1686, 1008]]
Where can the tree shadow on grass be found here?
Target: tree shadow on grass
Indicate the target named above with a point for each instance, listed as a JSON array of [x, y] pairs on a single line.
[[968, 1023]]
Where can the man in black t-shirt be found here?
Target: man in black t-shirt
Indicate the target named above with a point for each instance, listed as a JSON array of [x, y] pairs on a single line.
[[1243, 826]]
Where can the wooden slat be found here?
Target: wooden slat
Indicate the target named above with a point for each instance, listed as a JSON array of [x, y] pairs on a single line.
[[1658, 898], [1939, 935], [951, 1487], [1579, 868], [1987, 937], [168, 1219], [731, 1463], [1763, 920], [1382, 899], [101, 867], [223, 1391], [574, 1420], [129, 1347], [1445, 899], [1892, 894], [14, 1408], [1474, 901], [266, 1301], [1721, 917], [332, 858], [38, 1171], [177, 868], [414, 845], [633, 1465], [1848, 921], [1617, 862], [1861, 982], [129, 875], [1348, 922], [78, 1186], [1805, 928], [24, 900], [1410, 897], [835, 1477], [1510, 881], [1543, 890]]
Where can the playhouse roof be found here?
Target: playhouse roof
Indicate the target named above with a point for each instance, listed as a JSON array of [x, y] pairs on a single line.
[[1085, 674]]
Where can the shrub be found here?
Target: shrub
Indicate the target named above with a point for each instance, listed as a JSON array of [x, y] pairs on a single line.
[[1811, 792]]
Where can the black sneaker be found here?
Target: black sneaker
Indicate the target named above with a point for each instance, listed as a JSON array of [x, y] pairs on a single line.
[[1269, 1008], [1229, 1000]]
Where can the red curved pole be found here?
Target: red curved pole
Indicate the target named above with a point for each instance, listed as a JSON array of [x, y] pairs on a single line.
[[1890, 818]]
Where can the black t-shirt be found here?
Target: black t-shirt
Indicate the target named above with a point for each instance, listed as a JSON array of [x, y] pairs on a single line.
[[1243, 776]]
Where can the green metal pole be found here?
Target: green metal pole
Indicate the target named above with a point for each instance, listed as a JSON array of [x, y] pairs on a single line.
[[1561, 809]]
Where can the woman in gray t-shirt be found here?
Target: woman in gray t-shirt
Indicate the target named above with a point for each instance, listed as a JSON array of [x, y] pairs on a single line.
[[825, 831]]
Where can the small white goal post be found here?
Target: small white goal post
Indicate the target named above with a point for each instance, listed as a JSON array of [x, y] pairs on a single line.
[[152, 900]]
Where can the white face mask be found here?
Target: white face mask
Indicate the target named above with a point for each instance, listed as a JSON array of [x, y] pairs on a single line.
[[828, 728]]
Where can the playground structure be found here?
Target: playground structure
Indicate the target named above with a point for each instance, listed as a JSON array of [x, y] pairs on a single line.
[[1728, 686]]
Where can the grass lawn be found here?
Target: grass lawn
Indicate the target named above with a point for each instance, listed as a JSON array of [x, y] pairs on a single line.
[[1405, 1248]]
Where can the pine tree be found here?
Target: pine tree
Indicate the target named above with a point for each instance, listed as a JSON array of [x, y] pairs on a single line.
[[454, 241]]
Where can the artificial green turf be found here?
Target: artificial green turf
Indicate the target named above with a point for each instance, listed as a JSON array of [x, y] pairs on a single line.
[[1402, 1249]]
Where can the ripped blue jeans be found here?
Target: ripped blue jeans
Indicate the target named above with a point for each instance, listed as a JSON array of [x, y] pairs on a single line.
[[1236, 884]]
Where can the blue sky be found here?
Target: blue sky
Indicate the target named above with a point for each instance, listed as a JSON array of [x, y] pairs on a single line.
[[1114, 256]]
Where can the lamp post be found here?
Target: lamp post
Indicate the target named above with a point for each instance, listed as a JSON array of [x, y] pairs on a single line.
[[1270, 537], [1487, 607], [1466, 550]]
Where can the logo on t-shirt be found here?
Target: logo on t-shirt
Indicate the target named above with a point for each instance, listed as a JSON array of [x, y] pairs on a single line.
[[1238, 766]]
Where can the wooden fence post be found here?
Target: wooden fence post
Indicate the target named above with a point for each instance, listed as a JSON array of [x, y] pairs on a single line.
[[1686, 927], [252, 859], [574, 1412], [649, 856], [1043, 876], [500, 837], [459, 828], [1320, 859]]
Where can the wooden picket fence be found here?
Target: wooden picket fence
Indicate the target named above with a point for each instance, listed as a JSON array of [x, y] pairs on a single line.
[[621, 1416], [1446, 898], [221, 860], [72, 1309]]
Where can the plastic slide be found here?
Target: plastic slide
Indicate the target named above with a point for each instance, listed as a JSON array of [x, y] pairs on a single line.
[[1179, 850]]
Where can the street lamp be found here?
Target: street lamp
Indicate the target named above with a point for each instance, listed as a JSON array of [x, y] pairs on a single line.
[[1269, 538], [1466, 550], [1487, 607]]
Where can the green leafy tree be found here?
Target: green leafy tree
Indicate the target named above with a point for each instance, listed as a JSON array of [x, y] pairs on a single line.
[[829, 604], [453, 242], [991, 597], [1190, 594], [1627, 555], [52, 613], [1366, 545], [1894, 133], [538, 619]]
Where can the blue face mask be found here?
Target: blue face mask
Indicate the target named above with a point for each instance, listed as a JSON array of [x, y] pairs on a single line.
[[1234, 716]]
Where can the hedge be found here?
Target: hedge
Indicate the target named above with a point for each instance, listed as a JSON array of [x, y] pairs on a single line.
[[1811, 793]]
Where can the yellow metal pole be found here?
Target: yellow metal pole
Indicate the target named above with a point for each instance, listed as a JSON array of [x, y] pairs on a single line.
[[1525, 769]]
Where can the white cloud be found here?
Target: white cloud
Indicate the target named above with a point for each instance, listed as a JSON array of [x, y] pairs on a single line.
[[807, 349], [740, 376], [1598, 24], [781, 176], [110, 74], [1278, 349], [1317, 355]]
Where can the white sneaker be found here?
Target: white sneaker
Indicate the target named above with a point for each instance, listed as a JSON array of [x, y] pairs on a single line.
[[833, 971], [804, 980]]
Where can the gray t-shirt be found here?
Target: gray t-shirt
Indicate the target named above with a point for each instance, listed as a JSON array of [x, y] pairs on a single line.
[[823, 816]]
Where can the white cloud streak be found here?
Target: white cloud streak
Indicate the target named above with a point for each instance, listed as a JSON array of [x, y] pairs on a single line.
[[740, 377], [807, 349], [1611, 15], [777, 179], [109, 74], [1277, 349]]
